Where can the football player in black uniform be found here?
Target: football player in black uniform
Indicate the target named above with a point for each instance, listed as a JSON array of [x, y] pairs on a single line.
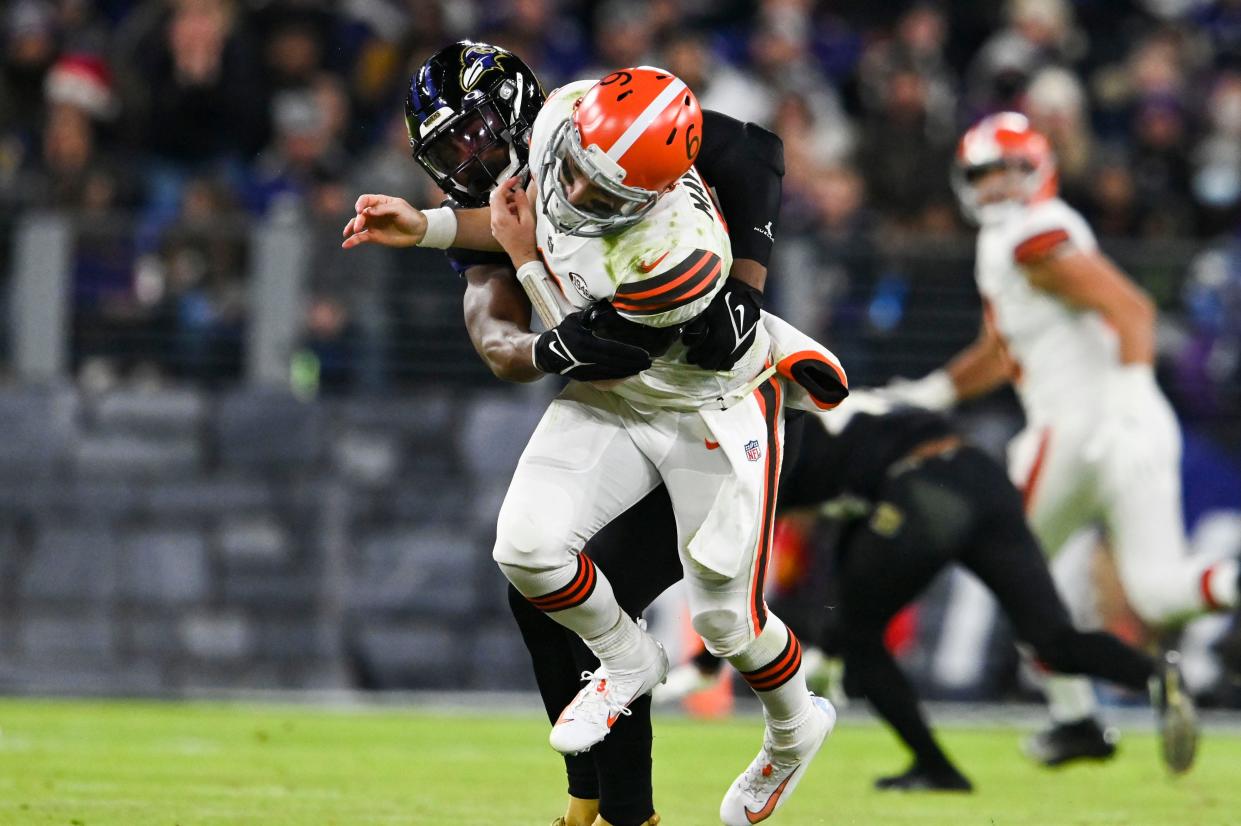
[[917, 499]]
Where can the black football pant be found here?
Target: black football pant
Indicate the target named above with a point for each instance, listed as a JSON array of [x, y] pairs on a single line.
[[637, 552], [956, 507]]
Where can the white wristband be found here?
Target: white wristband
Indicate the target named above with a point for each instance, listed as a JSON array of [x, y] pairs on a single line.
[[441, 228], [934, 391]]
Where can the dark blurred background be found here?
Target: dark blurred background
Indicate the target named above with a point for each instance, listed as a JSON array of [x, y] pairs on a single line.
[[232, 455]]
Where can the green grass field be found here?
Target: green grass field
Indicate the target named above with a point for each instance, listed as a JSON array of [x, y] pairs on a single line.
[[134, 764]]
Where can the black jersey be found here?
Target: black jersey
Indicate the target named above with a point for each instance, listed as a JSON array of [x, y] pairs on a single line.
[[855, 461]]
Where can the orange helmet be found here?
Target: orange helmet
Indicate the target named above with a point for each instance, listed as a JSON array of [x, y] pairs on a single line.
[[633, 136], [1003, 141]]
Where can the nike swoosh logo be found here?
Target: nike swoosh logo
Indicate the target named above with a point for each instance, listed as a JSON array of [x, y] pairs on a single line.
[[653, 264], [710, 444], [557, 347], [765, 812]]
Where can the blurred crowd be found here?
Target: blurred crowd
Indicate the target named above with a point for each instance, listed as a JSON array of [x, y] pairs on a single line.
[[199, 117]]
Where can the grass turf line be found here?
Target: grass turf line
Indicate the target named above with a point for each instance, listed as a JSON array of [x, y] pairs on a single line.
[[193, 764]]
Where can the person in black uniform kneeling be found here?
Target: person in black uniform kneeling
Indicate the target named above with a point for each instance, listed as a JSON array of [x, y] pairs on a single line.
[[923, 499]]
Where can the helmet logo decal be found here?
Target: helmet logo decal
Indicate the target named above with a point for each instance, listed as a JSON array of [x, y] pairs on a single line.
[[477, 61], [579, 284]]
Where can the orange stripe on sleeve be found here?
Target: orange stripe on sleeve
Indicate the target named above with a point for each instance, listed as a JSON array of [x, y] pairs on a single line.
[[1039, 246]]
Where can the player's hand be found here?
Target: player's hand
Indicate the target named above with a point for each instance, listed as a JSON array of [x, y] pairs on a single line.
[[572, 349], [382, 219], [934, 391], [512, 221], [720, 336]]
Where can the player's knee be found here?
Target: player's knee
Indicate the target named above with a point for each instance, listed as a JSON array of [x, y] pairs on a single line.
[[725, 633], [1152, 595], [529, 537]]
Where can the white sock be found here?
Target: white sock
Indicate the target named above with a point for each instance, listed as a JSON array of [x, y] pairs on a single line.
[[1070, 699], [1219, 585], [772, 665]]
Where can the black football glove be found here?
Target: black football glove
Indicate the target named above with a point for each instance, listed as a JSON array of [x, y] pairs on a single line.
[[720, 336], [572, 349]]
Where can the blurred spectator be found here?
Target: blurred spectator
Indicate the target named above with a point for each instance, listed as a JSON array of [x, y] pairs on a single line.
[[918, 45], [199, 287], [1217, 158], [905, 162], [551, 42], [1161, 166], [1056, 105], [29, 51], [306, 147], [624, 36], [204, 99], [1111, 203], [1038, 33], [717, 85]]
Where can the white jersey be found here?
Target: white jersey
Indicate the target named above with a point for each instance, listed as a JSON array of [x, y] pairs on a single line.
[[662, 272], [1063, 354]]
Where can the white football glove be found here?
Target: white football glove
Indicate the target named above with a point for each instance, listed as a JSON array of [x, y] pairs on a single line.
[[934, 391]]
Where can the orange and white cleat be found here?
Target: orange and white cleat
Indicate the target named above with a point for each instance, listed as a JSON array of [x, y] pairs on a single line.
[[769, 781], [602, 701]]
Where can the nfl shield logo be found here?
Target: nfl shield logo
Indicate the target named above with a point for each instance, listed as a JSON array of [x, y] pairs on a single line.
[[751, 450]]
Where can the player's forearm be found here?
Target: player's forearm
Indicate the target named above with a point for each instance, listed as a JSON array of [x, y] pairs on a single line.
[[980, 368], [497, 317], [1133, 319], [474, 230], [509, 354], [750, 272]]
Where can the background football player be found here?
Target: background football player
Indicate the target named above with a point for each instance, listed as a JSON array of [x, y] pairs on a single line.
[[916, 498], [1101, 443]]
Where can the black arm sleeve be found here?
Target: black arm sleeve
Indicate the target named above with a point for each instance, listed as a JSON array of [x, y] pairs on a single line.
[[745, 164], [463, 259]]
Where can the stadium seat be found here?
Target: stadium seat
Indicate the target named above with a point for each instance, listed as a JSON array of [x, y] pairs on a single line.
[[269, 431], [165, 567], [158, 412], [137, 456], [424, 571], [254, 539], [76, 563], [39, 424]]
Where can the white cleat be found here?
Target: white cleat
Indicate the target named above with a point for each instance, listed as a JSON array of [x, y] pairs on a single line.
[[602, 701], [769, 781]]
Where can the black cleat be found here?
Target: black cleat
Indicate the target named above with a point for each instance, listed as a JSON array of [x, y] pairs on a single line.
[[1066, 742], [921, 779], [1178, 722]]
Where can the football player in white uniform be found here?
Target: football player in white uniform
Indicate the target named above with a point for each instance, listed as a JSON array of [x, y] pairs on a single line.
[[639, 254], [620, 214], [1101, 443]]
